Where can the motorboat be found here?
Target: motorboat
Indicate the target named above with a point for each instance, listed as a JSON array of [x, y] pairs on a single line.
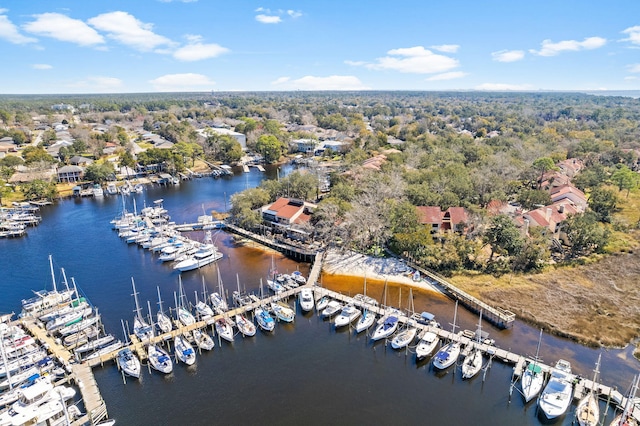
[[365, 321], [387, 325], [275, 286], [245, 326], [264, 319], [26, 374], [224, 329], [111, 347], [556, 395], [80, 325], [37, 404], [332, 308], [322, 303], [533, 377], [298, 277], [426, 344], [94, 344], [305, 297], [81, 337], [159, 359], [203, 340], [404, 337], [184, 350], [348, 314], [128, 362], [26, 360], [206, 254], [282, 311]]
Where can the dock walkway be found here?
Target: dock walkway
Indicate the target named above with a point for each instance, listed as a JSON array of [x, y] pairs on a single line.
[[298, 253]]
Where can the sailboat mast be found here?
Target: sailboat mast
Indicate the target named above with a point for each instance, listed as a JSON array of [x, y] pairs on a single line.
[[537, 349], [135, 298], [159, 299], [53, 275], [455, 317]]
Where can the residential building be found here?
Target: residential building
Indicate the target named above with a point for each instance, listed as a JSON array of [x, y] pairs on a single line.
[[453, 219], [70, 174]]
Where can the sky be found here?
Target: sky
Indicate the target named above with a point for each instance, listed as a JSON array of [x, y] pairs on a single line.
[[115, 46]]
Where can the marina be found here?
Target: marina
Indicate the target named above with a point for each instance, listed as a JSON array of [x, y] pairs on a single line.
[[276, 360]]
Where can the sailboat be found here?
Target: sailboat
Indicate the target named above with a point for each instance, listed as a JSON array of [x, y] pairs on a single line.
[[159, 359], [141, 328], [224, 329], [472, 363], [162, 320], [368, 317], [245, 326], [203, 340], [218, 300], [406, 336], [202, 309], [448, 354], [240, 298], [184, 350], [263, 317], [184, 316], [533, 377], [272, 282], [588, 410], [127, 360], [46, 299], [626, 417], [283, 311]]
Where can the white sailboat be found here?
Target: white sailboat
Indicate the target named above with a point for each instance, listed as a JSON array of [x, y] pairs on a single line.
[[283, 311], [245, 326], [322, 303], [203, 310], [406, 335], [127, 360], [184, 350], [141, 328], [588, 410], [159, 359], [556, 396], [224, 329], [472, 363], [533, 377], [218, 300], [162, 320], [44, 300], [183, 314], [203, 340], [263, 317], [387, 325], [626, 417], [449, 353]]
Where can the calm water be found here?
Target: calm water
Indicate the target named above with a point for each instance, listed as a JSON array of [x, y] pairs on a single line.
[[304, 372]]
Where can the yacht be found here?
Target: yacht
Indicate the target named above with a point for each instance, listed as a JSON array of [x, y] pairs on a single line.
[[283, 311], [184, 350], [129, 363], [38, 403], [556, 396], [245, 326], [348, 314], [264, 319], [206, 254], [333, 307], [306, 299], [426, 344]]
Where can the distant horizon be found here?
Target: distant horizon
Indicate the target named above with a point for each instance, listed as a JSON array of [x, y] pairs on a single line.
[[148, 46]]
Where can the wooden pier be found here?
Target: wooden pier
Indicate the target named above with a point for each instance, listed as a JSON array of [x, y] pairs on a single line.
[[298, 253]]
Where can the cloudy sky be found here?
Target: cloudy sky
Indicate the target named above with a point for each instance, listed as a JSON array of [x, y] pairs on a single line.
[[80, 46]]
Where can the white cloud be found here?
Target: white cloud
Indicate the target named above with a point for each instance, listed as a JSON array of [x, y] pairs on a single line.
[[182, 82], [447, 48], [294, 13], [41, 66], [507, 55], [182, 1], [631, 77], [268, 19], [97, 84], [63, 28], [126, 29], [634, 34], [333, 82], [355, 63], [196, 51], [550, 48], [500, 87], [417, 60], [447, 76], [9, 32], [634, 68]]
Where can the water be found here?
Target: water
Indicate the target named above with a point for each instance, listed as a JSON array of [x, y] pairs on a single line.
[[303, 372]]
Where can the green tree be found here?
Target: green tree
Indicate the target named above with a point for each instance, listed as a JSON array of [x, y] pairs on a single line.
[[269, 147], [39, 189], [543, 165], [33, 154], [503, 236], [230, 150], [99, 172], [533, 198], [11, 161], [603, 203], [625, 178], [300, 185], [585, 234]]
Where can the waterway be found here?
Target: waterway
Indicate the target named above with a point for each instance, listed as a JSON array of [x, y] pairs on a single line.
[[303, 372]]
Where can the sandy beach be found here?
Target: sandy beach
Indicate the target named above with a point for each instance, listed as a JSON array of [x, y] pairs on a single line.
[[359, 265]]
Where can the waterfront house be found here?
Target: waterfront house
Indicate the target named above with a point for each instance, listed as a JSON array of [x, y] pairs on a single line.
[[78, 160], [453, 219], [70, 173], [289, 216]]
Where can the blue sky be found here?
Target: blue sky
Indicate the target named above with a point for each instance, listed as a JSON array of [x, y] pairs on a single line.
[[80, 46]]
